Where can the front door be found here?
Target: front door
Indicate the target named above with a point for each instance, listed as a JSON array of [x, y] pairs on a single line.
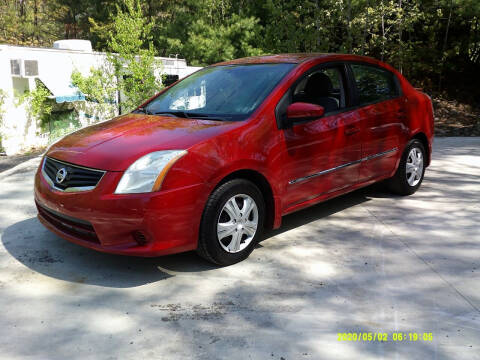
[[323, 155]]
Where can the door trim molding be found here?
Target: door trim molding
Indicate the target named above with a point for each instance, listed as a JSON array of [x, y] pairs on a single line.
[[320, 173]]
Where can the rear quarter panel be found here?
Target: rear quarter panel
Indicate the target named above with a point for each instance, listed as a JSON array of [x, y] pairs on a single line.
[[420, 117]]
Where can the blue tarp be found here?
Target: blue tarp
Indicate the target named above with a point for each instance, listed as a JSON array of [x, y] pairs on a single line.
[[62, 89], [70, 98]]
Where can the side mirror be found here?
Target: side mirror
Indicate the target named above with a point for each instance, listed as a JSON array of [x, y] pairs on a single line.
[[300, 112]]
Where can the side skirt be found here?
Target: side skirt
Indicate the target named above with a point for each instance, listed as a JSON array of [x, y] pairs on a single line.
[[328, 196]]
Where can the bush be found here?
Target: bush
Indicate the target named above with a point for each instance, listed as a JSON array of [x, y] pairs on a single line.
[[3, 95], [39, 105]]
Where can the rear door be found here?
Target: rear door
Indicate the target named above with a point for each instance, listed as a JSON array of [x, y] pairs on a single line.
[[381, 110]]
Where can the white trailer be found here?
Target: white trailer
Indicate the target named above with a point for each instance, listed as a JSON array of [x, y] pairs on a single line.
[[21, 66]]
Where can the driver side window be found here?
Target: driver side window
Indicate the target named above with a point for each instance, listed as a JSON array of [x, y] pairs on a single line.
[[323, 87]]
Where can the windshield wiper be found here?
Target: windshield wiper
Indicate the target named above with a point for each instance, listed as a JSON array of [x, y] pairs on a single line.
[[189, 115], [142, 110], [173, 113], [213, 118]]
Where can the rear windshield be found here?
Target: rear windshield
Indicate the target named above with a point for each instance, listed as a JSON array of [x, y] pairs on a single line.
[[229, 92]]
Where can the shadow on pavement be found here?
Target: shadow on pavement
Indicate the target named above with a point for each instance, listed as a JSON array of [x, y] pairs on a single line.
[[324, 209], [44, 252], [8, 162]]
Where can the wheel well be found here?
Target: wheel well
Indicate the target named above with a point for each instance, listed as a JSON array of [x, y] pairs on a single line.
[[423, 138], [264, 186]]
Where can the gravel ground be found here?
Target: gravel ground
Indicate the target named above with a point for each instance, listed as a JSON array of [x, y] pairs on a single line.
[[8, 162], [364, 262]]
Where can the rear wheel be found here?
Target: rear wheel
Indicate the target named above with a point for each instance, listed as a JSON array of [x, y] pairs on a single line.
[[232, 222], [410, 172]]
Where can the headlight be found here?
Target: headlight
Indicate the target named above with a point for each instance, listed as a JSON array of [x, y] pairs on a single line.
[[147, 173]]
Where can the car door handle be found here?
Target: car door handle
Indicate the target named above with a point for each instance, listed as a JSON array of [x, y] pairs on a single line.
[[402, 114], [350, 130]]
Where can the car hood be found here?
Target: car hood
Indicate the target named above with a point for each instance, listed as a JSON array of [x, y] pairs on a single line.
[[113, 145]]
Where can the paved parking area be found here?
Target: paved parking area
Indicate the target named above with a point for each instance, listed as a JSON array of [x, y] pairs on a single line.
[[365, 262]]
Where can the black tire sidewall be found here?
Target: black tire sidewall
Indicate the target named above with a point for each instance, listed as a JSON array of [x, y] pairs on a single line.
[[208, 232], [401, 175]]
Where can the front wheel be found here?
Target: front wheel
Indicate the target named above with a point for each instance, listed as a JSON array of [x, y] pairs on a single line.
[[410, 172], [232, 222]]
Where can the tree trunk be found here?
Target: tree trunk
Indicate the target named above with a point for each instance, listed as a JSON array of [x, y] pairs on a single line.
[[365, 30], [383, 31], [36, 30], [400, 44], [476, 41], [349, 27], [22, 12], [444, 47], [317, 25]]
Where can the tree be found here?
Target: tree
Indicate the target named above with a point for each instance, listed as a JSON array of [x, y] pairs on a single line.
[[30, 22], [435, 43], [131, 71], [234, 39]]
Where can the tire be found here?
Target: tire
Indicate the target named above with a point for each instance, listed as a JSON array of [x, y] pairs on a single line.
[[226, 234], [406, 182]]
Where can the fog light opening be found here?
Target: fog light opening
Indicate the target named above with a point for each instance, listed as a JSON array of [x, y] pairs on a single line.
[[140, 238]]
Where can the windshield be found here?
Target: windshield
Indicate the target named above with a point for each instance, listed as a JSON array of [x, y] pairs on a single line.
[[229, 92]]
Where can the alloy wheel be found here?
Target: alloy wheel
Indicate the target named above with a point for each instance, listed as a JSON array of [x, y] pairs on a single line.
[[414, 166], [237, 223]]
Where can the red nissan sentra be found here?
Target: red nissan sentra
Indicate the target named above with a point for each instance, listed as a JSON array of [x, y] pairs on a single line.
[[215, 159]]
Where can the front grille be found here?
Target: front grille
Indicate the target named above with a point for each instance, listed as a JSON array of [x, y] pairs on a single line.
[[75, 227], [75, 178]]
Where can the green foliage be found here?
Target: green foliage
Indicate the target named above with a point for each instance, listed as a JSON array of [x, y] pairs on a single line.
[[3, 95], [133, 56], [38, 103], [30, 22], [234, 39], [99, 86], [63, 123], [435, 43], [131, 66]]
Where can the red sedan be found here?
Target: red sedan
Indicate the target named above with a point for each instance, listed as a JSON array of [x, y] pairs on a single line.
[[216, 158]]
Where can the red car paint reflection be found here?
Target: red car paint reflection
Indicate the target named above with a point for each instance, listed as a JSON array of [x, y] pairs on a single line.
[[357, 141]]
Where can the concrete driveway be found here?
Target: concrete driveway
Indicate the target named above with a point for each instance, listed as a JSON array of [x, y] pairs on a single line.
[[365, 262]]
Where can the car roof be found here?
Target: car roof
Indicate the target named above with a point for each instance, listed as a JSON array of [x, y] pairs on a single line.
[[279, 58], [297, 58]]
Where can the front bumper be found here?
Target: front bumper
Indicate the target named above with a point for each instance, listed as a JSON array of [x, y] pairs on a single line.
[[101, 220]]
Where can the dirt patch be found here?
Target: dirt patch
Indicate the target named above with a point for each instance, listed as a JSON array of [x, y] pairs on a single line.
[[39, 256], [455, 119], [175, 312]]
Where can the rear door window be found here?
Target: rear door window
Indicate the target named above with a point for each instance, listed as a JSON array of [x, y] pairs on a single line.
[[374, 84]]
